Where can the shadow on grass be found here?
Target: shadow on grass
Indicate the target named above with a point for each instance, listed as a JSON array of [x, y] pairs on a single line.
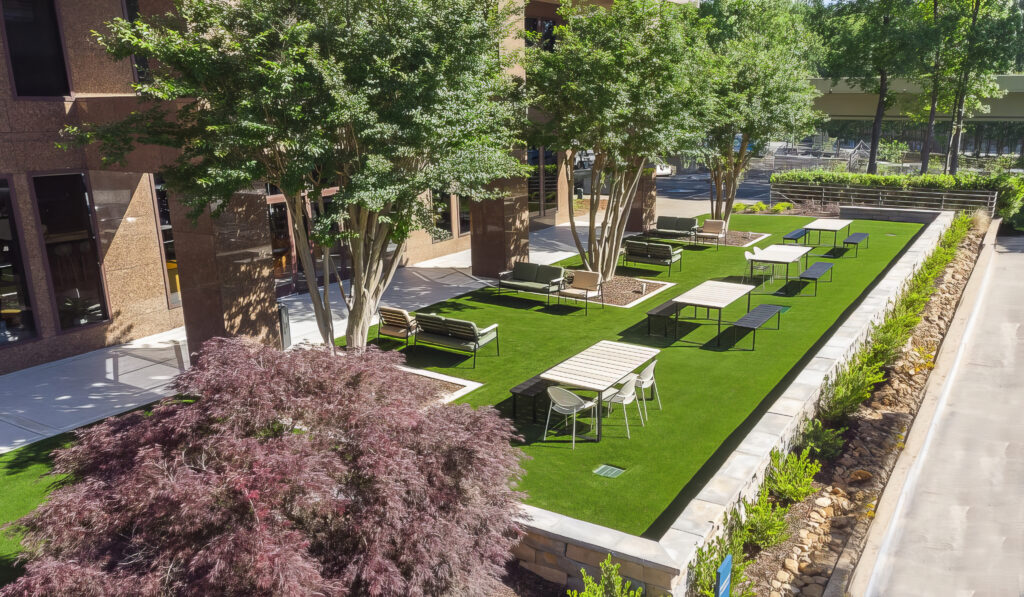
[[508, 298], [38, 453], [10, 569]]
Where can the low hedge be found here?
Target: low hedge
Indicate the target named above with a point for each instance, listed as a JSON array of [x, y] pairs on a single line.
[[1009, 187]]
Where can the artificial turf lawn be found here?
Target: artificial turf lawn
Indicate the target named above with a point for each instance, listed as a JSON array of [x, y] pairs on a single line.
[[23, 486], [707, 391]]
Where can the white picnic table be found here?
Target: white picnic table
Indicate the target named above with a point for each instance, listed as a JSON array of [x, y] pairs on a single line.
[[833, 225], [781, 254], [600, 367], [713, 295]]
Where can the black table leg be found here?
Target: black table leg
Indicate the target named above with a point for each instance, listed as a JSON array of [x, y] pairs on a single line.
[[719, 339], [748, 302], [600, 412]]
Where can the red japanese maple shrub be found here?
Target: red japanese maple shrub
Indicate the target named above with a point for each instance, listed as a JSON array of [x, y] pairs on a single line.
[[298, 473]]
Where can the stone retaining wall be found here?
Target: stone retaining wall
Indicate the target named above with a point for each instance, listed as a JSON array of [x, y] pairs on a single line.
[[917, 216], [556, 547]]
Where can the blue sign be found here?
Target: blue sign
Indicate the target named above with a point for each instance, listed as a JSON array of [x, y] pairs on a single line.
[[724, 577]]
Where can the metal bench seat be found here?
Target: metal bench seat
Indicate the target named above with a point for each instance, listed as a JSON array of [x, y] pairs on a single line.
[[795, 235], [856, 239], [815, 272], [664, 311], [531, 388], [759, 316]]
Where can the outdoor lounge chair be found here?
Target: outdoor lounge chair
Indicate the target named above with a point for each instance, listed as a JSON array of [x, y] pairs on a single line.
[[396, 323], [585, 285], [624, 395], [531, 277], [712, 230], [456, 334], [566, 403]]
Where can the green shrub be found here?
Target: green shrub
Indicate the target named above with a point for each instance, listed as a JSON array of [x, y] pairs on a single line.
[[738, 208], [765, 522], [609, 585], [790, 477], [851, 386], [892, 151], [824, 444], [781, 207], [704, 567], [758, 207], [1009, 186]]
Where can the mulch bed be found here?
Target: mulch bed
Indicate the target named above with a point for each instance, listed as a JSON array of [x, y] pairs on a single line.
[[807, 208], [623, 290]]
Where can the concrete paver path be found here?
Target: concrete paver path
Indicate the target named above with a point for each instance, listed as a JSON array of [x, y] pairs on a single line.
[[959, 528]]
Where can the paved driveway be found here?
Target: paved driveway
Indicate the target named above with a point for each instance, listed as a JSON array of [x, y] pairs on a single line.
[[960, 528]]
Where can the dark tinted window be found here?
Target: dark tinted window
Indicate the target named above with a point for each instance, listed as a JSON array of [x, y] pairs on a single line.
[[16, 322], [34, 46], [167, 242], [65, 215], [464, 203]]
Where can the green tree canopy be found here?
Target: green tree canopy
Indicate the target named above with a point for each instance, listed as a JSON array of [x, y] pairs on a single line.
[[382, 99], [622, 82], [757, 71]]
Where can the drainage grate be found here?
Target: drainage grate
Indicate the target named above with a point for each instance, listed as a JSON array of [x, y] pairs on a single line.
[[607, 470]]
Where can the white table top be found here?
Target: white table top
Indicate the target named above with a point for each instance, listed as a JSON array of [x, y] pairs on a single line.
[[601, 366], [828, 224], [713, 294], [782, 253]]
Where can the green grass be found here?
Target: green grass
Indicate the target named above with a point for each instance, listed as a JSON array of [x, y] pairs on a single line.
[[23, 486], [708, 392]]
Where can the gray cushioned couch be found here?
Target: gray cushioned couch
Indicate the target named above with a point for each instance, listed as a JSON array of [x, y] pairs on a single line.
[[531, 277], [652, 253], [456, 334]]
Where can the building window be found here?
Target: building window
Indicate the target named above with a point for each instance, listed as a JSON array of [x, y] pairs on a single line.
[[131, 8], [441, 203], [34, 47], [544, 33], [464, 203], [65, 216], [163, 208], [16, 322]]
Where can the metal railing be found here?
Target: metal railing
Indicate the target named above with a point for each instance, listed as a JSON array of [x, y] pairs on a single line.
[[894, 197]]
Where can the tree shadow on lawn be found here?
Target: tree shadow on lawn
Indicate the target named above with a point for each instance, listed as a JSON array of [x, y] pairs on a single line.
[[38, 453], [10, 569], [507, 298]]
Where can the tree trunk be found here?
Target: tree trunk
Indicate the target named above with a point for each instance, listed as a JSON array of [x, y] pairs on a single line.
[[929, 131], [321, 311], [876, 126], [372, 270], [956, 136]]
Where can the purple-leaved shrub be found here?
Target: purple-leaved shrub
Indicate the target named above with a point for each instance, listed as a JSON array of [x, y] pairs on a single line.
[[272, 473]]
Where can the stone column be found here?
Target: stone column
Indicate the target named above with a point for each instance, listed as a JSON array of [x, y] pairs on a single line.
[[225, 267], [642, 213], [500, 231]]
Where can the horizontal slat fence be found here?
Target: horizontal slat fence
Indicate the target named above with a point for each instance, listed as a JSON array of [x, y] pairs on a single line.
[[937, 199]]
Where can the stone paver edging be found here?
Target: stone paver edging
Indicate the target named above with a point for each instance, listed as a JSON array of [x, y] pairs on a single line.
[[556, 546]]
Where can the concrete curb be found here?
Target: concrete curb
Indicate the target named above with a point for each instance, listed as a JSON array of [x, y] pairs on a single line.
[[852, 574]]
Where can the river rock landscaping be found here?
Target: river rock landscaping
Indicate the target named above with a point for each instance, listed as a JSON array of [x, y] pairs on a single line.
[[835, 519]]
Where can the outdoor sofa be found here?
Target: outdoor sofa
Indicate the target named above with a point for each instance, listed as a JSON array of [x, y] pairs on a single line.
[[652, 253], [531, 277], [675, 227], [456, 334]]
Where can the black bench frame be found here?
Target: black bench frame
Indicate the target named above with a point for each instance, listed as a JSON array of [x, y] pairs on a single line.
[[815, 275], [796, 239], [668, 311], [756, 318], [531, 388], [855, 240]]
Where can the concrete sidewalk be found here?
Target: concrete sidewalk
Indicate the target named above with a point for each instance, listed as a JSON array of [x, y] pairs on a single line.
[[958, 526], [46, 400]]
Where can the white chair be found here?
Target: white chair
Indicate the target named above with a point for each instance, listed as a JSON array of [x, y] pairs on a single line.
[[712, 230], [763, 268], [624, 395], [646, 380], [566, 403]]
